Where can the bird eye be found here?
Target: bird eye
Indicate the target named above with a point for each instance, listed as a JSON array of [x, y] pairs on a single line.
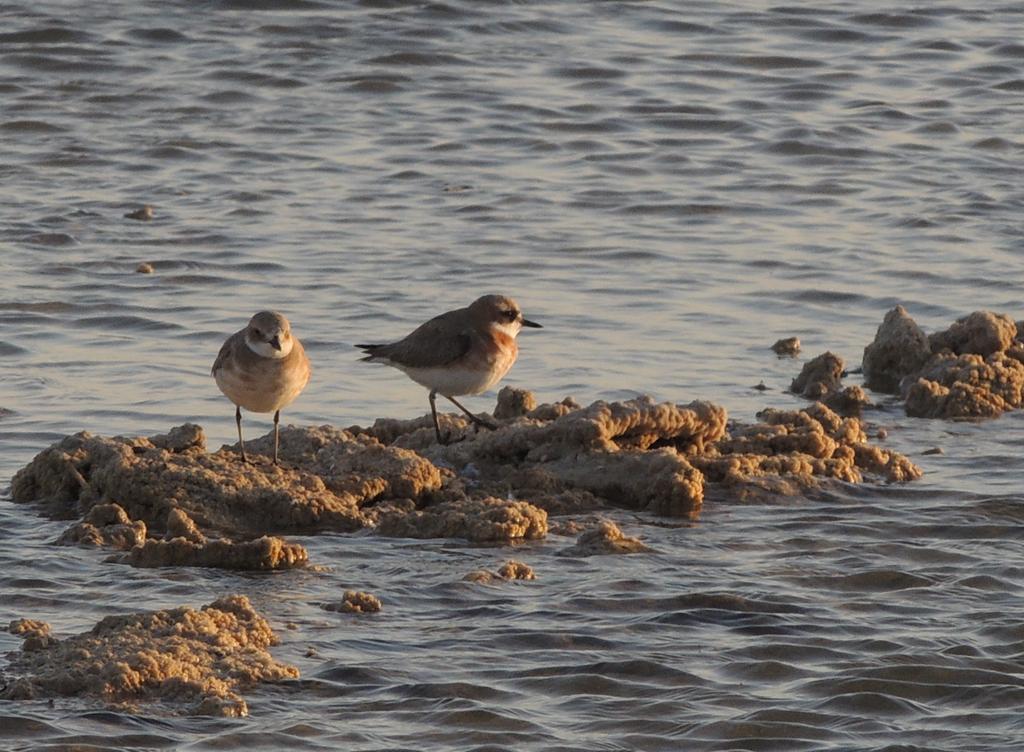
[[511, 315]]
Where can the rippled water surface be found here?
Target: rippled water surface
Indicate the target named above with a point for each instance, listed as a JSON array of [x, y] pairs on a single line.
[[668, 187]]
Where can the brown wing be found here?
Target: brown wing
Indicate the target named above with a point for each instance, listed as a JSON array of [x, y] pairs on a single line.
[[229, 344], [438, 342]]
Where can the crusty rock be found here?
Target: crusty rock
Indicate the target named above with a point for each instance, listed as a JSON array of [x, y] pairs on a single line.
[[264, 553], [967, 386], [185, 545], [973, 369], [787, 347], [478, 520], [790, 451], [899, 349], [36, 634], [516, 570], [359, 466], [982, 333], [180, 525], [819, 376], [105, 525], [215, 490], [606, 538], [514, 403], [356, 602], [191, 661], [510, 570], [661, 481], [180, 438], [850, 402]]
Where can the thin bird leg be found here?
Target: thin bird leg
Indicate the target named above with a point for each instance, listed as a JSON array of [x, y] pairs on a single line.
[[442, 440], [476, 421], [277, 419], [238, 422]]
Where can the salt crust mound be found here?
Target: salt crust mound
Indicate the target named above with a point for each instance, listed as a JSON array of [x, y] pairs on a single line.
[[790, 449], [184, 545], [900, 348], [819, 376], [486, 520], [510, 570], [787, 347], [821, 379], [106, 525], [974, 369], [356, 602], [190, 507], [605, 539], [192, 662]]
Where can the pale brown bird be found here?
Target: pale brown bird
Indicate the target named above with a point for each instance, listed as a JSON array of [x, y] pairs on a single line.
[[466, 351], [262, 368]]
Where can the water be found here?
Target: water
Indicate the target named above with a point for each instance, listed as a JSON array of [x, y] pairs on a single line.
[[668, 188]]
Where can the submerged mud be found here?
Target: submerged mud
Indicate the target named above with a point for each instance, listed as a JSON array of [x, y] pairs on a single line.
[[510, 570], [606, 538], [167, 501], [356, 602], [193, 662]]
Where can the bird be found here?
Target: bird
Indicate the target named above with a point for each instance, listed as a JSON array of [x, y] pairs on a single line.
[[465, 351], [262, 368]]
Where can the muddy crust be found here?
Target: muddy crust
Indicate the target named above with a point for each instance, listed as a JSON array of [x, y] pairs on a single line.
[[974, 369], [167, 501], [191, 661]]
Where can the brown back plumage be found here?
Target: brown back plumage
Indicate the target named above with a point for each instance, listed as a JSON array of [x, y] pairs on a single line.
[[446, 338], [438, 342]]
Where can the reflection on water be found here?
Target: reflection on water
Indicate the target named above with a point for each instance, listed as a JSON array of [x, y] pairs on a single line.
[[669, 190]]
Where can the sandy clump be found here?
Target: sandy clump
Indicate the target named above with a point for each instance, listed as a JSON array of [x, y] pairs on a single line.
[[981, 333], [514, 403], [819, 376], [899, 349], [356, 602], [821, 379], [487, 520], [158, 482], [849, 401], [105, 525], [605, 539], [966, 386], [193, 662], [790, 451], [510, 570], [144, 213], [973, 369], [184, 545], [788, 347]]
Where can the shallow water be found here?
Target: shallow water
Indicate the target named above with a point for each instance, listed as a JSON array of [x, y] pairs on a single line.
[[668, 188]]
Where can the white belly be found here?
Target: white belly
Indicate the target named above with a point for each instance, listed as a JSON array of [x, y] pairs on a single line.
[[259, 395], [453, 382]]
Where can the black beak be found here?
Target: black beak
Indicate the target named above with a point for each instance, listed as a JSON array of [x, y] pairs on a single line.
[[532, 324], [275, 342]]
